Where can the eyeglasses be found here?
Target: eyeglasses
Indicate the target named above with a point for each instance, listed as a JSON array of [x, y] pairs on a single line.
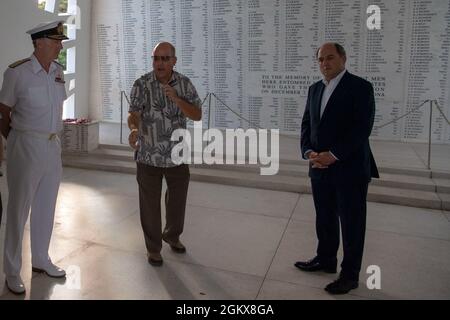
[[161, 58]]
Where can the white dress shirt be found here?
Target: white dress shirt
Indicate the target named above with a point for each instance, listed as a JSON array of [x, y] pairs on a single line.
[[330, 86], [35, 96]]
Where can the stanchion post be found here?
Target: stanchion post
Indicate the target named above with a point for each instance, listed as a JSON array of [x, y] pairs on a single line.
[[209, 111], [121, 116], [209, 114], [429, 135]]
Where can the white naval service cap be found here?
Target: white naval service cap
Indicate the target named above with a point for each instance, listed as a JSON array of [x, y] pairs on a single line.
[[52, 30]]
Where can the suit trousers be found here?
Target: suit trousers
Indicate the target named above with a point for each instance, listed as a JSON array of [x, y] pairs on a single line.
[[344, 203], [33, 174], [149, 179]]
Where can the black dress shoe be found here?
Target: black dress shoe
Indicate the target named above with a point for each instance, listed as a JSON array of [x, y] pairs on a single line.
[[341, 286], [316, 265]]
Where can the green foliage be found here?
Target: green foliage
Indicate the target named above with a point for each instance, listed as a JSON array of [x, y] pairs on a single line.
[[41, 5], [62, 58], [63, 5]]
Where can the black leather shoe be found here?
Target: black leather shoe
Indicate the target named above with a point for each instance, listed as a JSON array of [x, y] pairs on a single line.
[[315, 265], [341, 286]]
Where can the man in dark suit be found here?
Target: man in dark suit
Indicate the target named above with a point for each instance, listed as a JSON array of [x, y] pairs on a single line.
[[335, 132]]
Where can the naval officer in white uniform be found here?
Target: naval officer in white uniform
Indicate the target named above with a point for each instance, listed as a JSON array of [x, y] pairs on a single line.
[[31, 102]]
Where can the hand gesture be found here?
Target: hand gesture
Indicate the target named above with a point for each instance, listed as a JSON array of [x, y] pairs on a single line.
[[170, 92]]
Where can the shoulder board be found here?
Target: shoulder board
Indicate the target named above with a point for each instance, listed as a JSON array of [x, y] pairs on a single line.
[[18, 63], [58, 64]]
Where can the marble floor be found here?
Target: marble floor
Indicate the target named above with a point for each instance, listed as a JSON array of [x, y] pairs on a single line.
[[242, 244]]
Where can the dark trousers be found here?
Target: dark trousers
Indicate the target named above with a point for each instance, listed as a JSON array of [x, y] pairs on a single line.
[[344, 202], [150, 184]]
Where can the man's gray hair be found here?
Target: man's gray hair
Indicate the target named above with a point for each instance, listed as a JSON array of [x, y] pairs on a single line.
[[339, 48]]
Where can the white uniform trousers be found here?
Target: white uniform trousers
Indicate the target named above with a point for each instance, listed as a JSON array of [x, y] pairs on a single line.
[[33, 172]]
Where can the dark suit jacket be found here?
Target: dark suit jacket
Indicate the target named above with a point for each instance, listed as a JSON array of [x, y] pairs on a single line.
[[344, 129]]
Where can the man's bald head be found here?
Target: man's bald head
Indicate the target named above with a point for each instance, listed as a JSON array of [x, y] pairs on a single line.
[[165, 45], [164, 61]]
